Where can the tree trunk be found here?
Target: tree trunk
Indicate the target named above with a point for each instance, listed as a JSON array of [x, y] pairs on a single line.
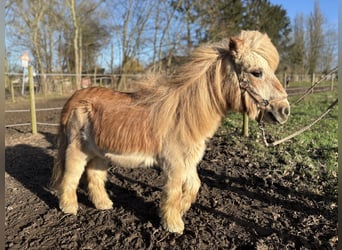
[[76, 41]]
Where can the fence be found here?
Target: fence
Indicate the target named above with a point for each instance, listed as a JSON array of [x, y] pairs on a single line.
[[64, 84], [290, 80], [58, 85]]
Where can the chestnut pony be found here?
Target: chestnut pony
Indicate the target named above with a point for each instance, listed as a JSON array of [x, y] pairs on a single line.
[[166, 122]]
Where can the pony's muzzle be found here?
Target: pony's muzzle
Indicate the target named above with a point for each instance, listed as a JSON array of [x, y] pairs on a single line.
[[277, 112]]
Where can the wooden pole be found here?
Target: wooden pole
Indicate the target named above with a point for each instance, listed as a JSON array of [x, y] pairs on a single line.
[[12, 90], [312, 81], [32, 101], [245, 125], [23, 83]]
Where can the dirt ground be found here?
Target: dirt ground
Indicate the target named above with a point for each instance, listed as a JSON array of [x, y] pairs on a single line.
[[243, 203]]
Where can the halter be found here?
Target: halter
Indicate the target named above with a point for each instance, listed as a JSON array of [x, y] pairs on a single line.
[[245, 86]]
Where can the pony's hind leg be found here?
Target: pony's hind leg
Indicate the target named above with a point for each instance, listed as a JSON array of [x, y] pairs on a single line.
[[75, 162], [96, 171]]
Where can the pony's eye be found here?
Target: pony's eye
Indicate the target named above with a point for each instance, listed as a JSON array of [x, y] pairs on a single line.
[[257, 73]]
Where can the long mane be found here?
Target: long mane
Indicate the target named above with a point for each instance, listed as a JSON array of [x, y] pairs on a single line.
[[194, 99]]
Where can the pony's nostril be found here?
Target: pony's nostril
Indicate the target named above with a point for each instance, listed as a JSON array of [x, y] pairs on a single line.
[[286, 111]]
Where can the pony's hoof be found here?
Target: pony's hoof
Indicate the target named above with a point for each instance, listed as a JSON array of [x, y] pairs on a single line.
[[104, 205], [177, 226], [69, 208]]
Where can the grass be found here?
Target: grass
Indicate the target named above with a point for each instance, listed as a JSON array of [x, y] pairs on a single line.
[[315, 151]]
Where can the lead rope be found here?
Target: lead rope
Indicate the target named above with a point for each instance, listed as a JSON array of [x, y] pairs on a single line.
[[263, 134], [267, 144]]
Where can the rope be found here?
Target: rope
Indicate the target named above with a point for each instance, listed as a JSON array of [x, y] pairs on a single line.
[[47, 124], [15, 125], [299, 131], [27, 110], [27, 124]]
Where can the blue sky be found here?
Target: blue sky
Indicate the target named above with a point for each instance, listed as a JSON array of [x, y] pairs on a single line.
[[329, 9]]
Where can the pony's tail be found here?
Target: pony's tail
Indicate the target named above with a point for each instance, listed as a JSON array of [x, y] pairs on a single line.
[[59, 162]]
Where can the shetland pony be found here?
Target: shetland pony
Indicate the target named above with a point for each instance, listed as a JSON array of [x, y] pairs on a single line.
[[167, 122]]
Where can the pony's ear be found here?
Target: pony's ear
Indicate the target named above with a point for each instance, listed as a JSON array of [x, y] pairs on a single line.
[[235, 45]]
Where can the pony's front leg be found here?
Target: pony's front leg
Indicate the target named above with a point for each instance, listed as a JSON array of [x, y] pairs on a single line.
[[182, 186], [170, 209], [191, 187]]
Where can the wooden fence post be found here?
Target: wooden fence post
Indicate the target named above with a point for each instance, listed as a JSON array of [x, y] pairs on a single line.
[[245, 125], [12, 90], [312, 81], [32, 101]]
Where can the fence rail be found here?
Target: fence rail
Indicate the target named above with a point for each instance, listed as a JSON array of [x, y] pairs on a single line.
[[61, 84], [64, 80], [293, 91], [28, 110], [64, 83]]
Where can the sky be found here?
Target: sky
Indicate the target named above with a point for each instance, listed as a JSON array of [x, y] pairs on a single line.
[[329, 9]]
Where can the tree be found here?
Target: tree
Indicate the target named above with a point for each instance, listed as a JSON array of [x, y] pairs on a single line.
[[296, 53], [219, 18], [329, 51], [271, 19], [77, 43], [313, 47], [28, 27], [168, 37], [131, 29], [315, 38]]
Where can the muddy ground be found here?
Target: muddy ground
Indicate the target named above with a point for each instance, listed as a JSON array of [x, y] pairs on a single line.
[[243, 203]]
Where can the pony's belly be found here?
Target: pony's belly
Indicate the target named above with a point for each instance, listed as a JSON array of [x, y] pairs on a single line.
[[131, 160]]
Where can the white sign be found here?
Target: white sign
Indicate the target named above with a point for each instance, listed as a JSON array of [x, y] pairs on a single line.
[[25, 59]]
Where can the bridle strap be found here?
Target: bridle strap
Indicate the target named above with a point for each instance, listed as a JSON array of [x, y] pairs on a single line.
[[245, 86]]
